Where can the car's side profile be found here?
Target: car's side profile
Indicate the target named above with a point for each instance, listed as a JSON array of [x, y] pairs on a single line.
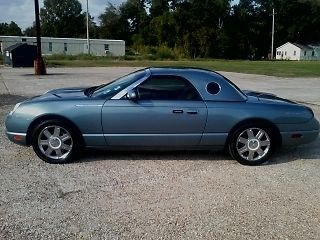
[[170, 108]]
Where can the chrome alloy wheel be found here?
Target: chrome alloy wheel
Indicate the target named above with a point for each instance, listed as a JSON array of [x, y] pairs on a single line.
[[55, 142], [253, 144]]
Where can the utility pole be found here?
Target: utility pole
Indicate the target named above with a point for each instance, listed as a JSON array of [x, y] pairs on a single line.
[[39, 66], [272, 38], [88, 37]]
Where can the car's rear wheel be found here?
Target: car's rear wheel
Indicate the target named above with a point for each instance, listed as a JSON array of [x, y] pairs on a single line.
[[252, 144], [54, 141]]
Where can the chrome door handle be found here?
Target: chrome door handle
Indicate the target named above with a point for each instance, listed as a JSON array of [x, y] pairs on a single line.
[[177, 111], [192, 112]]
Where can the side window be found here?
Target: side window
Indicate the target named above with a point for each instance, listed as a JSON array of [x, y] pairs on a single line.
[[167, 88], [106, 48]]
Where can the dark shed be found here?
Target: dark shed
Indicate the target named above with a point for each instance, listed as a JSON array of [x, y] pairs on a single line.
[[20, 55]]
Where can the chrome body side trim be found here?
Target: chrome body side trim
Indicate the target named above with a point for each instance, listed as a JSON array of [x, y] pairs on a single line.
[[17, 134], [92, 135], [150, 135], [89, 105]]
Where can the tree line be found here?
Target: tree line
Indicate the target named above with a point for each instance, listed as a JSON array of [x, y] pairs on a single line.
[[188, 28]]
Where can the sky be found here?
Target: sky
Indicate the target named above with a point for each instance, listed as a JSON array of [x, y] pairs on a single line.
[[22, 11]]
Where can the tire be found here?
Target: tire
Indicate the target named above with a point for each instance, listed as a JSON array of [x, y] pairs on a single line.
[[55, 141], [252, 144]]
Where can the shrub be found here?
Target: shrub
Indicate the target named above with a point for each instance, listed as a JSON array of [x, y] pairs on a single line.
[[164, 52]]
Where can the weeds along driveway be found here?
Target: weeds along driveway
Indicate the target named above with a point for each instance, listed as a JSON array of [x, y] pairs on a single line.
[[153, 195]]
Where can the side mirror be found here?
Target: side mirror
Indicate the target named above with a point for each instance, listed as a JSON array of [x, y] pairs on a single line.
[[132, 95]]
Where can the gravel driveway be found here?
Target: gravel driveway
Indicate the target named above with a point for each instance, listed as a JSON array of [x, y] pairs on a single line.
[[156, 195]]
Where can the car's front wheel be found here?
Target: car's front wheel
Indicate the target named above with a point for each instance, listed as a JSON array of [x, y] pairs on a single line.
[[252, 144], [54, 141]]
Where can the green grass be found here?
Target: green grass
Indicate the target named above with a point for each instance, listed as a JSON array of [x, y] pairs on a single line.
[[271, 68]]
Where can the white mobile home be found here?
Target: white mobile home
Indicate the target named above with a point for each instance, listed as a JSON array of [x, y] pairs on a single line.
[[69, 46], [294, 51]]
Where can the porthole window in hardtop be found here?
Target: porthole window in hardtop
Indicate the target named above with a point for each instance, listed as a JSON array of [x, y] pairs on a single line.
[[213, 88], [167, 88]]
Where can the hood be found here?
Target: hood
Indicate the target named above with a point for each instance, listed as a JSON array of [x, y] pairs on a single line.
[[61, 94], [67, 92], [267, 97]]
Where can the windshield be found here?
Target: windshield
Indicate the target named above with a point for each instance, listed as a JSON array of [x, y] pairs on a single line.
[[110, 89]]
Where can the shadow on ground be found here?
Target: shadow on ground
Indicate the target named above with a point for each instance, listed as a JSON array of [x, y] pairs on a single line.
[[284, 155], [289, 154], [100, 155]]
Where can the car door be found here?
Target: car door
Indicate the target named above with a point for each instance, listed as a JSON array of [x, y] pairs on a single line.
[[168, 111]]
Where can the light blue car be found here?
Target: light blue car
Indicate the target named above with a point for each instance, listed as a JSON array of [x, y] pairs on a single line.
[[161, 108]]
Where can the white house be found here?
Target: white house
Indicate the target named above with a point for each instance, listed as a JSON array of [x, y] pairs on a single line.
[[69, 46], [294, 51]]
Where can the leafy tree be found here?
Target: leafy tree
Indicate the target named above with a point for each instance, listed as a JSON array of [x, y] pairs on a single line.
[[134, 12], [93, 28], [212, 28], [296, 21], [113, 25], [31, 31], [11, 29], [129, 21], [62, 18], [243, 29], [158, 7], [199, 25], [163, 30]]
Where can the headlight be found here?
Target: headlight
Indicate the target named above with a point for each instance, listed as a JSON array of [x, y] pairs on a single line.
[[15, 108]]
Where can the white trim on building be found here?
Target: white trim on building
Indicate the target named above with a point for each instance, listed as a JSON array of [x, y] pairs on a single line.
[[294, 51], [70, 46]]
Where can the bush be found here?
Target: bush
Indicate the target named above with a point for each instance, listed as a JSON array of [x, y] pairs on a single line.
[[164, 52]]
